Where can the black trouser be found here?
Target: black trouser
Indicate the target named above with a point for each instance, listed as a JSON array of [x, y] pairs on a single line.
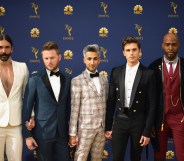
[[123, 129]]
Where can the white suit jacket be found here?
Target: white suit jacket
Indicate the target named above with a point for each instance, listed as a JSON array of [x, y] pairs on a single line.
[[11, 106]]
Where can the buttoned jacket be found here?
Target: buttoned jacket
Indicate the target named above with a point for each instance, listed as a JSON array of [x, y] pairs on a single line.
[[87, 105], [142, 99]]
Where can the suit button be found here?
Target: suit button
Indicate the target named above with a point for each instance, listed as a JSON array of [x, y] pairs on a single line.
[[118, 99], [134, 110], [140, 92], [117, 89], [120, 109], [137, 101]]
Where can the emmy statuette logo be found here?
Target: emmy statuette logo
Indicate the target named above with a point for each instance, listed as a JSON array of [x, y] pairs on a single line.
[[69, 71], [34, 6], [1, 30], [35, 52], [104, 53], [104, 6], [174, 7], [139, 31], [68, 28]]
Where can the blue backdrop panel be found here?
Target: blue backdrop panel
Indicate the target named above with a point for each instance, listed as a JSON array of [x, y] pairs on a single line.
[[75, 23]]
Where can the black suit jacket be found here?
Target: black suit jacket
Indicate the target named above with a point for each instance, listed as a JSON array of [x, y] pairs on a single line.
[[51, 117], [157, 66], [143, 96]]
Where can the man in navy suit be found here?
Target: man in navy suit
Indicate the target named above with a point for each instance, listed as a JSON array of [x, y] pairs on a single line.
[[48, 94], [132, 98]]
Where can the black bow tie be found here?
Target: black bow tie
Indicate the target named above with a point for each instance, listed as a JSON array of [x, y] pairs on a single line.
[[55, 73], [94, 75]]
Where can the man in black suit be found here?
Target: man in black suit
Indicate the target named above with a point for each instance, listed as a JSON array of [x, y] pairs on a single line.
[[48, 93], [132, 99]]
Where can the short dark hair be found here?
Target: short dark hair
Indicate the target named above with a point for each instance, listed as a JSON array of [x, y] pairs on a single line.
[[51, 45], [7, 38], [93, 48], [129, 40]]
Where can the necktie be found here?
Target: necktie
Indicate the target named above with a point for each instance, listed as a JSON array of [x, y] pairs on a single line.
[[94, 75], [54, 73], [170, 70]]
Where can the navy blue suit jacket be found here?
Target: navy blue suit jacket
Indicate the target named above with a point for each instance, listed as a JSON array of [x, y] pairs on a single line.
[[51, 117]]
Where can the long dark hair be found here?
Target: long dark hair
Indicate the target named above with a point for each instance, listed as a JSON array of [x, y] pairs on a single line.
[[7, 38]]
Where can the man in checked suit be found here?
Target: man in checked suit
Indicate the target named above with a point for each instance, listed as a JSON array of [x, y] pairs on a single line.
[[48, 93], [88, 105], [132, 98]]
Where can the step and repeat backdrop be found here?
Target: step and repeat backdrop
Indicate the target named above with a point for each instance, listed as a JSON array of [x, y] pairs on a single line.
[[73, 24]]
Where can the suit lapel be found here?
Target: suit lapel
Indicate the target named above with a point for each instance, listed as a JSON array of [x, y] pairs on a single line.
[[89, 81], [101, 83], [62, 85], [135, 84], [48, 85], [122, 85]]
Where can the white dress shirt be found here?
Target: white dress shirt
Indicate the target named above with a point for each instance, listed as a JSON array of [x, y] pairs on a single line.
[[55, 84], [129, 81], [174, 63], [96, 81]]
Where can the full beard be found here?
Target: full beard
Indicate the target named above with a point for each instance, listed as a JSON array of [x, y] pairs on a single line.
[[4, 57]]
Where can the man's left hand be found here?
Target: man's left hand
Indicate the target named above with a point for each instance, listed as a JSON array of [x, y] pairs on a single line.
[[144, 141]]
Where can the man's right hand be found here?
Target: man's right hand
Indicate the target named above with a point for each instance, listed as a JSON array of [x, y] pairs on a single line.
[[30, 124], [108, 134], [31, 143]]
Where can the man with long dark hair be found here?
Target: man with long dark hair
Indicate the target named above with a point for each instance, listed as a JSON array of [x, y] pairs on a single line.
[[13, 79]]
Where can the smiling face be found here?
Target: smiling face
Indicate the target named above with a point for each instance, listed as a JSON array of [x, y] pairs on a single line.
[[92, 60], [132, 53], [5, 50], [170, 46]]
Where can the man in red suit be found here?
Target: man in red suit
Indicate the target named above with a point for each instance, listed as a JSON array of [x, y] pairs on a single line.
[[169, 119]]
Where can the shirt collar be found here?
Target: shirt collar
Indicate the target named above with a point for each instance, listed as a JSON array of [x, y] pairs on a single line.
[[173, 62], [90, 72], [135, 67]]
